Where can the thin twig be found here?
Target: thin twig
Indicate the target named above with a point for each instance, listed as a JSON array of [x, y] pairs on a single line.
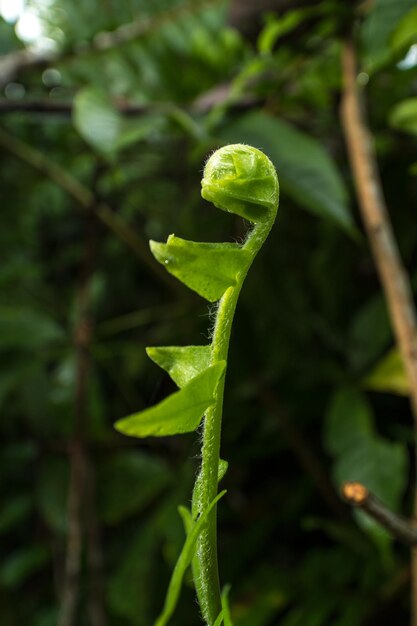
[[84, 487], [217, 95], [77, 453], [64, 107], [83, 340], [96, 602], [395, 282], [359, 496], [85, 199], [71, 583]]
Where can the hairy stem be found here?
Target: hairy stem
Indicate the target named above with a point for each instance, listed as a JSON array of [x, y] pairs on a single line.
[[205, 566]]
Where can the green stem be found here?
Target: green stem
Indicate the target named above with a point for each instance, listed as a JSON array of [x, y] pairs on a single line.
[[205, 564]]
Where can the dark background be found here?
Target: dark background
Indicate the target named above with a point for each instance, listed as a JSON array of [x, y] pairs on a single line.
[[104, 128]]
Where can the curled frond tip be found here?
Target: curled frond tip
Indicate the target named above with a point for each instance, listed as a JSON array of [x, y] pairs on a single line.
[[242, 180]]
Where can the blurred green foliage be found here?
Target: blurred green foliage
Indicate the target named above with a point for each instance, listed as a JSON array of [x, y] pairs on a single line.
[[143, 91]]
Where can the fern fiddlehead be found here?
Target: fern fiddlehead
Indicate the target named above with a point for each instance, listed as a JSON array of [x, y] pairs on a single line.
[[241, 180]]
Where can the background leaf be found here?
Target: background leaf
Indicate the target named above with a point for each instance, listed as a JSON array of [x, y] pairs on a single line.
[[378, 27], [389, 375], [305, 170], [404, 116], [97, 120], [127, 483]]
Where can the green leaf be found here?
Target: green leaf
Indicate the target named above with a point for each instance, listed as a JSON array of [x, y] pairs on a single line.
[[404, 116], [219, 619], [348, 419], [207, 268], [179, 413], [405, 33], [369, 334], [276, 27], [136, 561], [187, 518], [97, 120], [389, 375], [21, 564], [183, 363], [27, 329], [225, 605], [223, 467], [183, 563], [221, 472], [51, 493], [14, 511], [377, 29], [118, 479], [305, 170]]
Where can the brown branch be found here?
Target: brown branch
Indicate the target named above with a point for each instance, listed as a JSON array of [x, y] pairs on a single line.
[[94, 552], [395, 282], [217, 95], [64, 107], [77, 452], [71, 583], [84, 487], [358, 495], [393, 276]]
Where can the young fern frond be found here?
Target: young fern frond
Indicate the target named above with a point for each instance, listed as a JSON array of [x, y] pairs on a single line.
[[242, 180]]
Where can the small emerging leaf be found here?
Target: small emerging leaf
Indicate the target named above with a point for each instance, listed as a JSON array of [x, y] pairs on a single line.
[[187, 519], [184, 561], [183, 363], [181, 412], [225, 605], [207, 268], [196, 507], [219, 619], [223, 466]]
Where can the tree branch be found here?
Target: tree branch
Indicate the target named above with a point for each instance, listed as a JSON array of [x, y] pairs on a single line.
[[217, 95], [358, 495], [64, 107], [71, 583], [395, 282], [96, 602], [391, 271]]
